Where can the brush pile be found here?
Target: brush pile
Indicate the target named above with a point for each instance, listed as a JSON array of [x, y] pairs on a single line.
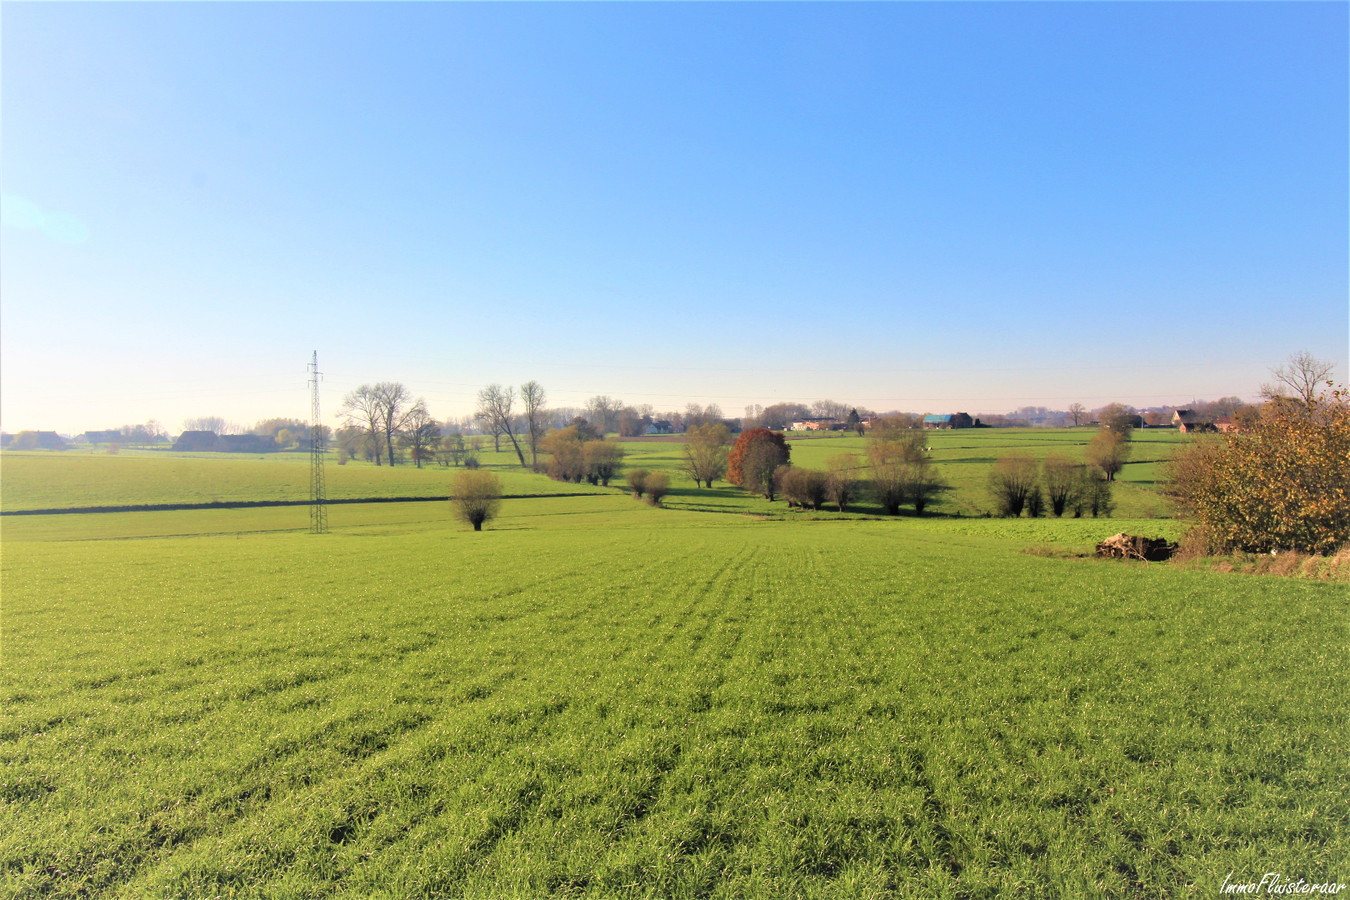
[[1133, 546]]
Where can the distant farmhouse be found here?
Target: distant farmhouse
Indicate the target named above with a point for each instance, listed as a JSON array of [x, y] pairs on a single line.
[[1189, 421], [819, 423], [35, 440], [210, 442], [661, 426], [248, 443], [196, 442], [953, 420]]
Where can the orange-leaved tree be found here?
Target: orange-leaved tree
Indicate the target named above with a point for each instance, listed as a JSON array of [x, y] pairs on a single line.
[[758, 452], [1281, 484]]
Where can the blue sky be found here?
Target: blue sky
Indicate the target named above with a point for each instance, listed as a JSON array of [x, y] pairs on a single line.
[[927, 207]]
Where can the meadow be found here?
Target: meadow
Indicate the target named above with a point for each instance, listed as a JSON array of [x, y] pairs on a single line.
[[50, 480], [594, 697]]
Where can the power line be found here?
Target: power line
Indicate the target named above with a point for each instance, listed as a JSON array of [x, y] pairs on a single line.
[[318, 489]]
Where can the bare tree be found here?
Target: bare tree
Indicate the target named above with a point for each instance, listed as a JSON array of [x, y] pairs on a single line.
[[1011, 482], [363, 412], [814, 488], [604, 412], [829, 409], [656, 484], [1303, 374], [218, 424], [781, 415], [1093, 494], [901, 468], [421, 433], [1060, 476], [487, 425], [392, 398], [841, 479], [888, 474], [705, 453], [1118, 418], [1078, 411], [532, 397], [603, 461], [921, 482], [494, 407]]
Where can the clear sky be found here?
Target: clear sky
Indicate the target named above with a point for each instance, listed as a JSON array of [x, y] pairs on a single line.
[[922, 206]]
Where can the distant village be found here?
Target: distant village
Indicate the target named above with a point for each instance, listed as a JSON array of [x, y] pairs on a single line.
[[275, 435]]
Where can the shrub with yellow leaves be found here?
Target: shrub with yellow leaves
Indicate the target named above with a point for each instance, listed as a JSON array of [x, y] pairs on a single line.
[[1283, 483]]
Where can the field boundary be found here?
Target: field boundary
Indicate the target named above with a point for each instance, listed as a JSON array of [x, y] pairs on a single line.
[[253, 504]]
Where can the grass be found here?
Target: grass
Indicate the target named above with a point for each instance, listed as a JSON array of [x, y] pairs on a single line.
[[963, 459], [50, 480], [597, 698]]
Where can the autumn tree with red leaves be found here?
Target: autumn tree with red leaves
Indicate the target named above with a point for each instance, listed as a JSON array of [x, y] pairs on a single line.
[[758, 452]]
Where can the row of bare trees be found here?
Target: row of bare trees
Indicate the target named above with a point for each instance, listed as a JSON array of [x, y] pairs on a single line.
[[384, 415], [902, 471], [496, 410], [1019, 484], [780, 416]]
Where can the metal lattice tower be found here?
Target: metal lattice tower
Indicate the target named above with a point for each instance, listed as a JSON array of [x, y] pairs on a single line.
[[318, 491]]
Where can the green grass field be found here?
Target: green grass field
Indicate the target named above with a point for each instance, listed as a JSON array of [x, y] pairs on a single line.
[[50, 480], [596, 698]]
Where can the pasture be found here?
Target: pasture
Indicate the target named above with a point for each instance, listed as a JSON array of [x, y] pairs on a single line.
[[50, 480], [596, 698]]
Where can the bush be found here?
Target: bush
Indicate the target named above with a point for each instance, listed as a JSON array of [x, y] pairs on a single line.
[[787, 481], [567, 453], [901, 469], [889, 485], [841, 482], [656, 485], [1011, 482], [813, 488], [1035, 503], [1094, 494], [1061, 478], [477, 498], [1282, 485], [922, 483], [637, 482], [603, 459]]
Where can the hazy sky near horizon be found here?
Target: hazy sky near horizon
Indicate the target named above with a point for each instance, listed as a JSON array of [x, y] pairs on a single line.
[[928, 207]]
